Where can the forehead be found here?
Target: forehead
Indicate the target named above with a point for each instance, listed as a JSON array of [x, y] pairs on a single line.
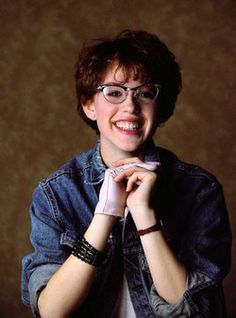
[[122, 74]]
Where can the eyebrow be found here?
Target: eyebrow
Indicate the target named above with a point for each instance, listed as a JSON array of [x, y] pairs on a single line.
[[122, 86]]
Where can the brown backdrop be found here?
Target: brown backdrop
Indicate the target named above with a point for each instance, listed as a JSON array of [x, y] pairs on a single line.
[[40, 129]]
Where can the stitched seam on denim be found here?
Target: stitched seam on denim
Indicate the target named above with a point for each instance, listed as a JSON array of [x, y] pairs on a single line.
[[211, 187], [190, 169], [67, 239], [213, 181], [86, 166], [189, 300], [24, 299], [132, 249], [141, 259], [188, 294], [201, 286], [93, 182], [101, 176], [60, 173], [52, 201]]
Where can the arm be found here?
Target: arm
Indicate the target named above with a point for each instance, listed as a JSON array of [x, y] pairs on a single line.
[[70, 285], [63, 294], [207, 253], [168, 274]]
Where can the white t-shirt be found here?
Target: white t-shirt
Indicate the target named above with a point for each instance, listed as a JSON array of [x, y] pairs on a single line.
[[124, 307]]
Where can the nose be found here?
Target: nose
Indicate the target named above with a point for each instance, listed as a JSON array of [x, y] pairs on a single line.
[[130, 104]]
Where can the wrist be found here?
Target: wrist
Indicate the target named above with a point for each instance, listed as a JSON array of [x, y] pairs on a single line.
[[144, 218], [142, 208], [104, 222], [154, 228], [99, 230]]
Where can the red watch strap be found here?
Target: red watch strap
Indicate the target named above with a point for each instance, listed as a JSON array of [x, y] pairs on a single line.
[[154, 228]]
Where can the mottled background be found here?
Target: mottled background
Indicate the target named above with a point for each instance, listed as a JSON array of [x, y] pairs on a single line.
[[40, 129]]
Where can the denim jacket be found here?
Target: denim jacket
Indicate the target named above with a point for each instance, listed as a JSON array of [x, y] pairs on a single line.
[[191, 206]]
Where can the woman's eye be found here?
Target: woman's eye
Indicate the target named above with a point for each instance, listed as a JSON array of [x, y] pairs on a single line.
[[147, 94], [114, 93]]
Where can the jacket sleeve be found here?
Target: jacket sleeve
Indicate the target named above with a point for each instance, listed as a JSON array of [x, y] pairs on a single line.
[[39, 266], [205, 251]]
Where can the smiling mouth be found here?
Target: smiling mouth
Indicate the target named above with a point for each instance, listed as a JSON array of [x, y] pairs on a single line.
[[128, 126]]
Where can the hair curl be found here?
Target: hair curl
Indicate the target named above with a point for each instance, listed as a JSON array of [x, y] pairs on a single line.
[[141, 55]]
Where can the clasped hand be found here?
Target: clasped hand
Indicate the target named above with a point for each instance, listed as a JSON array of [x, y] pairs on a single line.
[[129, 183]]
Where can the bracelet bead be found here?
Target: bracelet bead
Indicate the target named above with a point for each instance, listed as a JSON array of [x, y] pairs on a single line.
[[84, 251]]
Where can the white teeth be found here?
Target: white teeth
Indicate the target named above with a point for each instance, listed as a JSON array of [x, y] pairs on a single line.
[[127, 125]]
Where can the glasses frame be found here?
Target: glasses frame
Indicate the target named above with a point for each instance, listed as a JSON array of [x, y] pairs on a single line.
[[100, 88]]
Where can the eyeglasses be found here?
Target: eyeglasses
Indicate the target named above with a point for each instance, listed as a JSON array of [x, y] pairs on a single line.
[[116, 94]]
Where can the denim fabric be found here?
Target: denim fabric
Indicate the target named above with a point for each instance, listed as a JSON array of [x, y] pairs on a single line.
[[185, 307], [191, 205]]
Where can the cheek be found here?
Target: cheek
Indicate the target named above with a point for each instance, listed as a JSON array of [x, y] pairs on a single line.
[[104, 112], [152, 115], [103, 117]]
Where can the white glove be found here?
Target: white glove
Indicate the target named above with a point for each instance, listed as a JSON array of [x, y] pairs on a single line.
[[112, 196]]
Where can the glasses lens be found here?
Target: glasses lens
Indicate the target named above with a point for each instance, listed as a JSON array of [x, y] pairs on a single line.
[[114, 94], [147, 93]]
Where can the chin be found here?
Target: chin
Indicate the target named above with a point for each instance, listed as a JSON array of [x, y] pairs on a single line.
[[131, 149]]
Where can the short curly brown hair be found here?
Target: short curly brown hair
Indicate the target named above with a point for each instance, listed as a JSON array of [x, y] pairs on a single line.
[[140, 54]]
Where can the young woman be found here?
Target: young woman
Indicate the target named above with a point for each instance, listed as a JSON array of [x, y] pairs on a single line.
[[126, 229]]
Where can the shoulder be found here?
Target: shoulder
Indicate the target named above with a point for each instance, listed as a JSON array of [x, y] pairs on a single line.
[[60, 195], [185, 173], [76, 166], [66, 179]]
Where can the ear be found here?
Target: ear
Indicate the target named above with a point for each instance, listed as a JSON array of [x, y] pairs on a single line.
[[89, 109]]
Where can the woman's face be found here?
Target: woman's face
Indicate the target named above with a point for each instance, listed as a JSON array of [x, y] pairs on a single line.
[[125, 127]]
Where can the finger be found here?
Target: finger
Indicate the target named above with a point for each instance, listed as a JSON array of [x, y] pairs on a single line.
[[132, 182], [121, 176], [124, 161], [127, 173]]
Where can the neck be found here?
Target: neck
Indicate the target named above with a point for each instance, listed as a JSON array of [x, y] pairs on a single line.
[[109, 156], [109, 159]]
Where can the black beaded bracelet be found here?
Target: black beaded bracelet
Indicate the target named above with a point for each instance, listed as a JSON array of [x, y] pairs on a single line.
[[84, 251]]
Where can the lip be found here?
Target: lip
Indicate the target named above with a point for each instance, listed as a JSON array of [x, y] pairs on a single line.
[[129, 120], [128, 127]]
